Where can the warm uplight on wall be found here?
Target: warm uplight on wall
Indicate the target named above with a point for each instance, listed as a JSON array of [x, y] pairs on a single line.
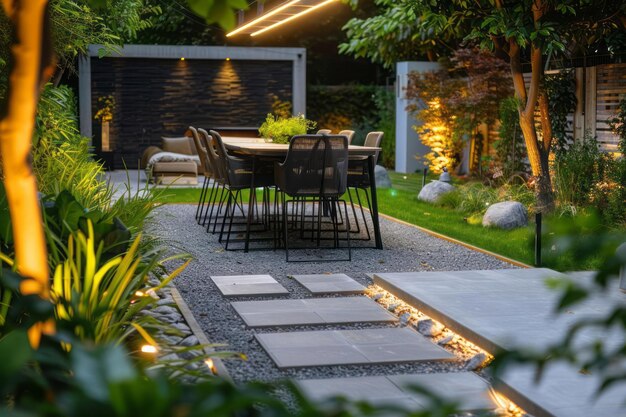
[[262, 18], [182, 58], [227, 59], [290, 18]]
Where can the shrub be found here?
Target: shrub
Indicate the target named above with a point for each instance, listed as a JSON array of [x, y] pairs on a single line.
[[281, 130], [362, 108], [510, 149], [474, 198], [585, 177], [62, 158]]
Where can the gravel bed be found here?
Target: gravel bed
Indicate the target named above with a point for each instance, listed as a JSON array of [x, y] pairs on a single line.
[[406, 249]]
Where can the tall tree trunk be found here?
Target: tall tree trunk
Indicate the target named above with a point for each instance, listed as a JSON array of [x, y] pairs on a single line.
[[31, 62], [538, 153]]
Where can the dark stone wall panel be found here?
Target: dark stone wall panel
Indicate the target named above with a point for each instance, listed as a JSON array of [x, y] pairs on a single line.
[[161, 97]]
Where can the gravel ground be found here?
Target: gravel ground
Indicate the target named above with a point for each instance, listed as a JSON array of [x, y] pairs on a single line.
[[406, 249]]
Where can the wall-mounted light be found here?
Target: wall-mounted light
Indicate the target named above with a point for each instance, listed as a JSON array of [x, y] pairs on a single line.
[[290, 18], [182, 58], [227, 59]]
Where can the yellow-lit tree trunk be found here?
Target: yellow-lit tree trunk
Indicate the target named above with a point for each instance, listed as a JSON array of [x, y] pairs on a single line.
[[538, 151], [31, 65]]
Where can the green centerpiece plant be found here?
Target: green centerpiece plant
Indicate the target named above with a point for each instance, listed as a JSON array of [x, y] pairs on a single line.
[[280, 129]]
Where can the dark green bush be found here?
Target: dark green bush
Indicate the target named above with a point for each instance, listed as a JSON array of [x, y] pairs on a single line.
[[362, 108], [510, 148]]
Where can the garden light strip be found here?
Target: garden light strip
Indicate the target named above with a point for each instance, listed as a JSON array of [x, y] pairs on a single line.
[[290, 18], [262, 18]]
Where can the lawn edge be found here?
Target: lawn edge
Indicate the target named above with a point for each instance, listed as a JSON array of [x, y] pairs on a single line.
[[456, 241]]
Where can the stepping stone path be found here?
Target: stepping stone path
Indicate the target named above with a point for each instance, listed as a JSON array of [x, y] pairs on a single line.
[[506, 309], [386, 345], [330, 284], [248, 285], [468, 390], [311, 311], [350, 347]]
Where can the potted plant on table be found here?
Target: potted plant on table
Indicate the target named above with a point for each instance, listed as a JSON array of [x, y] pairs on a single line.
[[281, 129]]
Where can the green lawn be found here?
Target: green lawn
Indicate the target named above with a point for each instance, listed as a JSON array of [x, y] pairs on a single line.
[[401, 202]]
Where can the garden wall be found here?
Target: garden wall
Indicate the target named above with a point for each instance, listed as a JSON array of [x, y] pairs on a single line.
[[161, 96]]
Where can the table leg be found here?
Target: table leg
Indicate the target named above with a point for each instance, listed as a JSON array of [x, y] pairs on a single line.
[[372, 168]]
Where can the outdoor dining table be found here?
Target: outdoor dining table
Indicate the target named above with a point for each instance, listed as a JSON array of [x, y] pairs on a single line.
[[260, 148]]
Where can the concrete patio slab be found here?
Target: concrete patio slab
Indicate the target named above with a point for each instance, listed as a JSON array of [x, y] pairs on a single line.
[[349, 347], [248, 285], [507, 309], [465, 388], [271, 313], [330, 284]]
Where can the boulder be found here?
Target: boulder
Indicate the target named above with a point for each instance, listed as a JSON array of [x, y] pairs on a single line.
[[506, 215], [382, 178], [434, 190]]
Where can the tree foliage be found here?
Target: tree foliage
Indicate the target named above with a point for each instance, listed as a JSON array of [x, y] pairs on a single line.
[[521, 31]]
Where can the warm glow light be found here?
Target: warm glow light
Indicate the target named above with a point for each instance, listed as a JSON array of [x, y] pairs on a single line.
[[504, 403], [290, 18], [149, 349], [182, 58], [227, 59], [262, 18], [211, 365]]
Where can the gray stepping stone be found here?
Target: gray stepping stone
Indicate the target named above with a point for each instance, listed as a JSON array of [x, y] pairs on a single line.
[[330, 284], [248, 285], [507, 309], [349, 347], [470, 392], [311, 311]]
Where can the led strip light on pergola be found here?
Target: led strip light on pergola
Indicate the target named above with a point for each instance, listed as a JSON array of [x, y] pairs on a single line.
[[279, 15]]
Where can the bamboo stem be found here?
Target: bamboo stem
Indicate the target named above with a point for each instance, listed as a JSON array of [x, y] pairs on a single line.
[[16, 131]]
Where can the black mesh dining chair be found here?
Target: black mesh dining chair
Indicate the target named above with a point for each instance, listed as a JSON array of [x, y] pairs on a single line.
[[239, 174], [314, 171], [359, 180]]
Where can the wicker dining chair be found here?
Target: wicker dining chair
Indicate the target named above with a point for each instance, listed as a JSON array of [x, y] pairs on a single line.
[[347, 133], [207, 172], [315, 170], [359, 180]]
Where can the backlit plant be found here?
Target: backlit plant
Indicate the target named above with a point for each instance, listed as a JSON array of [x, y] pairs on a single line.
[[280, 130]]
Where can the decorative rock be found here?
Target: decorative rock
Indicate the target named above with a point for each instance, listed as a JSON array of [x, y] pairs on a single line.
[[183, 328], [190, 341], [392, 307], [172, 340], [432, 191], [445, 340], [506, 215], [382, 178], [475, 362], [166, 310], [377, 296], [404, 319], [429, 328]]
